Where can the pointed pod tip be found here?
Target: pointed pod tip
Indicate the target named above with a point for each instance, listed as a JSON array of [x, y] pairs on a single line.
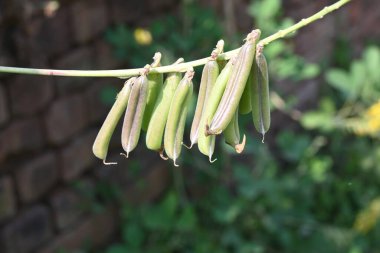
[[163, 157], [210, 159], [262, 140], [108, 163], [188, 147], [126, 155], [240, 147]]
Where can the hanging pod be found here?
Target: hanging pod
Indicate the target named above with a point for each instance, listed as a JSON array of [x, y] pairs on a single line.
[[232, 134], [245, 101], [206, 143], [101, 143], [176, 119], [235, 86], [260, 93], [134, 114], [209, 75], [155, 82], [160, 113]]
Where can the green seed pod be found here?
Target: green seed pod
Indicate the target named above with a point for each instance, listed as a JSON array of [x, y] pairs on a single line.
[[235, 86], [245, 101], [177, 116], [100, 146], [155, 81], [159, 116], [260, 93], [209, 75], [134, 114], [206, 144], [232, 134]]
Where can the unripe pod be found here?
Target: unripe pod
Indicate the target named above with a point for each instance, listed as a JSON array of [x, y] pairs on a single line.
[[209, 75], [232, 134], [260, 93], [155, 82], [245, 101], [177, 117], [206, 144], [159, 116], [235, 85], [100, 146], [134, 114]]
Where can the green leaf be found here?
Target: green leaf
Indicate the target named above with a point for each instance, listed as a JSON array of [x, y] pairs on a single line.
[[117, 248], [163, 216], [133, 234], [187, 219], [310, 71], [340, 80], [372, 61], [292, 146], [318, 120]]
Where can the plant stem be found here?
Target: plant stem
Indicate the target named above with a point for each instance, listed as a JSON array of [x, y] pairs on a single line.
[[124, 73]]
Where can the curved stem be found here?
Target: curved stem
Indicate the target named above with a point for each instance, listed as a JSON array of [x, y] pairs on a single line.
[[124, 73]]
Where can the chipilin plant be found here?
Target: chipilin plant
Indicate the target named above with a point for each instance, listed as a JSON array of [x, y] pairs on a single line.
[[240, 87]]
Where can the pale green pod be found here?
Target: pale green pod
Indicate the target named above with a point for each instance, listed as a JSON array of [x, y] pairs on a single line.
[[209, 75], [232, 134], [155, 82], [181, 127], [260, 94], [235, 86], [245, 101], [174, 125], [101, 143], [159, 116], [206, 144], [134, 114]]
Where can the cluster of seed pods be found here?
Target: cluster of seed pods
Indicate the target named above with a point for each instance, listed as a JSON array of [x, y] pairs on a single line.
[[160, 107]]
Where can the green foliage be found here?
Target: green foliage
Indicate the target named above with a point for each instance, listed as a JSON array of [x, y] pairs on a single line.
[[362, 81], [173, 36], [283, 62], [358, 87]]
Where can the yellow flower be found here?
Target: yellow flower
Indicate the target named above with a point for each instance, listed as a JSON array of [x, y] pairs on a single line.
[[143, 36], [368, 217], [374, 110]]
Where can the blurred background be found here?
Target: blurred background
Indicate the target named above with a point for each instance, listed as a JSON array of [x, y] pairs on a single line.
[[313, 186]]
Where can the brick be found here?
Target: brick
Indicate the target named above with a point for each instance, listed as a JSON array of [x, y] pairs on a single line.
[[95, 231], [126, 11], [149, 186], [4, 113], [105, 57], [156, 6], [65, 118], [67, 207], [29, 94], [5, 55], [45, 36], [28, 231], [89, 19], [140, 181], [80, 59], [21, 136], [98, 102], [77, 156], [36, 177], [7, 198]]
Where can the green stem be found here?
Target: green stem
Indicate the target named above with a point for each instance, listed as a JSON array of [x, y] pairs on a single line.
[[124, 73]]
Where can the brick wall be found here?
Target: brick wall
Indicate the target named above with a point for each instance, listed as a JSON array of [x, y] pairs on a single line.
[[48, 125]]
